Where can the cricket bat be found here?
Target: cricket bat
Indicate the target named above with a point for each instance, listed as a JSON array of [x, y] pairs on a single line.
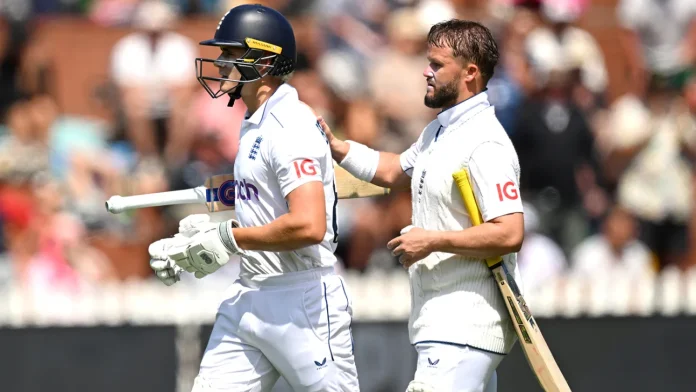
[[218, 193], [532, 341]]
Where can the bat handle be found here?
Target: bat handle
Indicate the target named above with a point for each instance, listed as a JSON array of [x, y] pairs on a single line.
[[117, 204]]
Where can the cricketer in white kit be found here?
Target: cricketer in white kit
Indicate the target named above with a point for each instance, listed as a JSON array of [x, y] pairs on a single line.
[[288, 313], [458, 324]]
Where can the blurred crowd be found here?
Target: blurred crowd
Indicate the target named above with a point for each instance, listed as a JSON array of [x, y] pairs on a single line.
[[607, 178]]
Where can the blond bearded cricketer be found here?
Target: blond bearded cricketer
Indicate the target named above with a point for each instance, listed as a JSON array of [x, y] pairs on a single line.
[[288, 314], [459, 324]]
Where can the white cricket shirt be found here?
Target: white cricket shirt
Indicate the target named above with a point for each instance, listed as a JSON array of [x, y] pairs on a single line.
[[455, 299], [282, 147]]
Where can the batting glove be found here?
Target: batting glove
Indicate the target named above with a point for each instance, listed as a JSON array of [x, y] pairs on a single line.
[[165, 268], [194, 224], [417, 386], [210, 246]]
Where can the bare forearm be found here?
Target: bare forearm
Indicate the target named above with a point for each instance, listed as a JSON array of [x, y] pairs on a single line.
[[482, 241], [283, 234], [389, 173]]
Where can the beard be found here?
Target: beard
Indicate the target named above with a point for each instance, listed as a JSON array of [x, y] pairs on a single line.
[[443, 96]]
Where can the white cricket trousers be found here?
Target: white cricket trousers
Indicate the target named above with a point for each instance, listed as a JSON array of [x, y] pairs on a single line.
[[296, 325], [448, 367]]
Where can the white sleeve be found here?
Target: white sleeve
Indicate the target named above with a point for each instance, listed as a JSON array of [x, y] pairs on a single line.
[[408, 158], [494, 177], [296, 161]]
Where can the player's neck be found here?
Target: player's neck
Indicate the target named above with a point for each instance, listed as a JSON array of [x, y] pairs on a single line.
[[255, 98], [471, 88], [469, 91], [463, 96]]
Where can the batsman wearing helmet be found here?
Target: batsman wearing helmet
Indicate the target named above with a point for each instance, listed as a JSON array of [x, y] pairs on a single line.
[[288, 313], [459, 323]]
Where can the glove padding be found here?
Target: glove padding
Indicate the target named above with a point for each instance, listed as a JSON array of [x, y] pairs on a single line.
[[417, 386], [193, 224], [209, 248], [165, 268]]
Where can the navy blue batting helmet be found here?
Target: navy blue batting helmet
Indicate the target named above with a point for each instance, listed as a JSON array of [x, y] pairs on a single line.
[[268, 40]]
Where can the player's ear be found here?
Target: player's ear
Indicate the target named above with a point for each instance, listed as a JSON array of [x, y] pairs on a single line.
[[470, 71]]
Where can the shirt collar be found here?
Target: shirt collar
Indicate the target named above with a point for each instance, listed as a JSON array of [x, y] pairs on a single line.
[[280, 93], [463, 110]]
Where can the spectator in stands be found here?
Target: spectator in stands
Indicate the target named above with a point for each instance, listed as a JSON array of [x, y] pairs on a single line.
[[152, 70], [512, 79], [491, 13], [16, 214], [312, 89], [75, 148], [397, 85], [352, 35], [22, 153], [659, 38], [540, 260], [64, 260], [614, 251], [560, 36], [214, 129], [555, 146], [23, 150], [113, 12], [645, 157]]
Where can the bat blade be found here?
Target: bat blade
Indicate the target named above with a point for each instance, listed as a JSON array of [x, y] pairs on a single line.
[[220, 192], [349, 187], [532, 342]]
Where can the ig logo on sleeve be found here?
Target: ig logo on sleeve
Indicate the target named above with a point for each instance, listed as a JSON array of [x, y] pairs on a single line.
[[304, 167], [507, 191]]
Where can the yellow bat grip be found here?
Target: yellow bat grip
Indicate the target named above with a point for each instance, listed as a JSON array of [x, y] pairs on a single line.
[[461, 178]]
